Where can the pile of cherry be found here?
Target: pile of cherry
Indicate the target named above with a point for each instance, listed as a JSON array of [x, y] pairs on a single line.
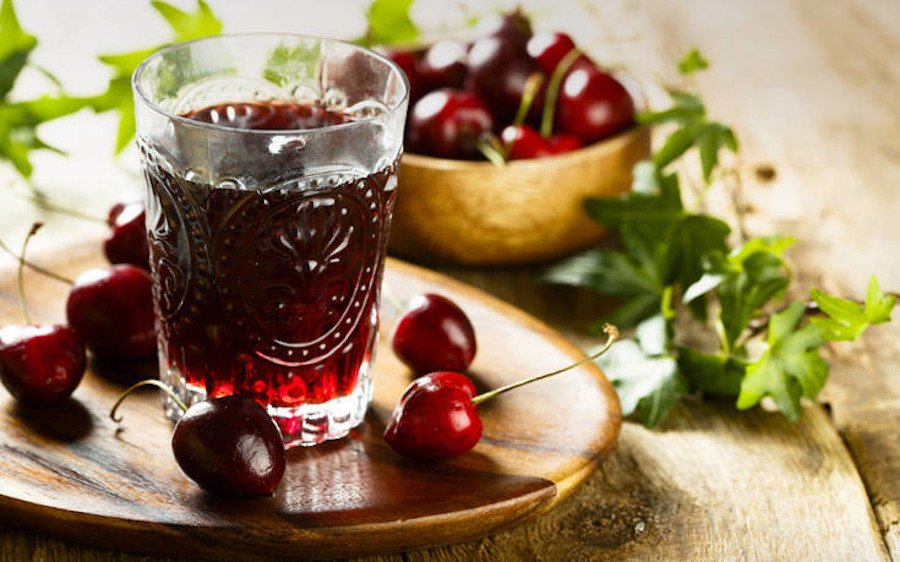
[[229, 445], [511, 93]]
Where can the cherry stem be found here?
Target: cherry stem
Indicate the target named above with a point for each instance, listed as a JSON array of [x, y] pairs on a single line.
[[529, 92], [491, 149], [146, 382], [20, 272], [612, 334], [34, 266], [553, 90]]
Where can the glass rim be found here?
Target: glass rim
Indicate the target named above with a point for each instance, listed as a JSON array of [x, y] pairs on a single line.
[[144, 98]]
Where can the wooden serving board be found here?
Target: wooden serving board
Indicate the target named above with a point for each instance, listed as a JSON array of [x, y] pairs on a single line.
[[69, 471]]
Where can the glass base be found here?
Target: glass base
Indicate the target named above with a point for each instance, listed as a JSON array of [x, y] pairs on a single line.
[[306, 425]]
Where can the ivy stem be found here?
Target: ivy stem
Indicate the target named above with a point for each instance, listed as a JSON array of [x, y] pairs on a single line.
[[35, 267], [612, 334], [147, 382], [43, 203], [20, 272]]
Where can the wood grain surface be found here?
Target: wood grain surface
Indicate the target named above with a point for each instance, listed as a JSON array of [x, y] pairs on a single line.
[[70, 471], [810, 88]]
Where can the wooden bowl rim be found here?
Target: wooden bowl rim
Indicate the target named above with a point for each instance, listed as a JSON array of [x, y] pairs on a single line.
[[608, 145]]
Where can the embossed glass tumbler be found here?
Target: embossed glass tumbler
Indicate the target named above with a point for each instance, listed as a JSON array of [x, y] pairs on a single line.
[[270, 162]]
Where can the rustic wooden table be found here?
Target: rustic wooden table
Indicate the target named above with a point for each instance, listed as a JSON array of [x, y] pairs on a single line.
[[811, 88]]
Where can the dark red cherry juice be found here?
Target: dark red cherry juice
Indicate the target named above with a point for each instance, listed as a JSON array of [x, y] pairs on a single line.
[[269, 292]]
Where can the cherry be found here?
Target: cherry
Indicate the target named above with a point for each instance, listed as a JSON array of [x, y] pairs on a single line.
[[437, 416], [443, 65], [512, 27], [111, 309], [435, 419], [592, 105], [498, 72], [127, 240], [523, 142], [549, 48], [449, 124], [434, 334], [39, 363], [561, 143], [408, 63], [228, 445]]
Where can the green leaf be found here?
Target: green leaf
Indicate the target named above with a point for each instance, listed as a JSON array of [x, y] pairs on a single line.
[[692, 62], [790, 368], [293, 64], [632, 311], [712, 374], [679, 142], [686, 108], [127, 63], [610, 272], [648, 385], [846, 319], [389, 23], [696, 237], [708, 142], [15, 47], [189, 26]]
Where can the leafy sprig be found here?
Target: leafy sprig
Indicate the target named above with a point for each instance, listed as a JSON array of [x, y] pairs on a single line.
[[19, 120], [676, 267]]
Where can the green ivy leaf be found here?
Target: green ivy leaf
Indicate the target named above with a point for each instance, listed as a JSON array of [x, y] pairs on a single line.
[[186, 26], [790, 368], [846, 319], [389, 23], [648, 383], [686, 108], [15, 47], [189, 26], [713, 374], [692, 62]]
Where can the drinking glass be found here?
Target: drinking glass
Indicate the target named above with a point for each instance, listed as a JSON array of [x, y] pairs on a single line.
[[267, 244]]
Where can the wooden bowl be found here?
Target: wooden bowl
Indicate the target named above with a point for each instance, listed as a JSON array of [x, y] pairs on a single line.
[[475, 213]]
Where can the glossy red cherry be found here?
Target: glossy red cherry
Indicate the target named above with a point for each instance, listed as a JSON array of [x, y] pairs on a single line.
[[448, 124], [408, 62], [498, 72], [230, 446], [111, 309], [437, 416], [40, 364], [561, 143], [443, 65], [434, 334], [435, 419], [549, 48], [592, 105], [127, 239], [523, 142]]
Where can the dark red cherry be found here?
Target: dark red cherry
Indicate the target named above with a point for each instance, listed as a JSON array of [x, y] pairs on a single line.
[[111, 309], [434, 335], [448, 124], [435, 419], [513, 27], [592, 105], [40, 364], [230, 446], [523, 142], [561, 143], [443, 65], [408, 62], [549, 48], [127, 239], [498, 72]]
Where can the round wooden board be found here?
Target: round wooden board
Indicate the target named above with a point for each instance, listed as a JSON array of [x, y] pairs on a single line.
[[69, 471]]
